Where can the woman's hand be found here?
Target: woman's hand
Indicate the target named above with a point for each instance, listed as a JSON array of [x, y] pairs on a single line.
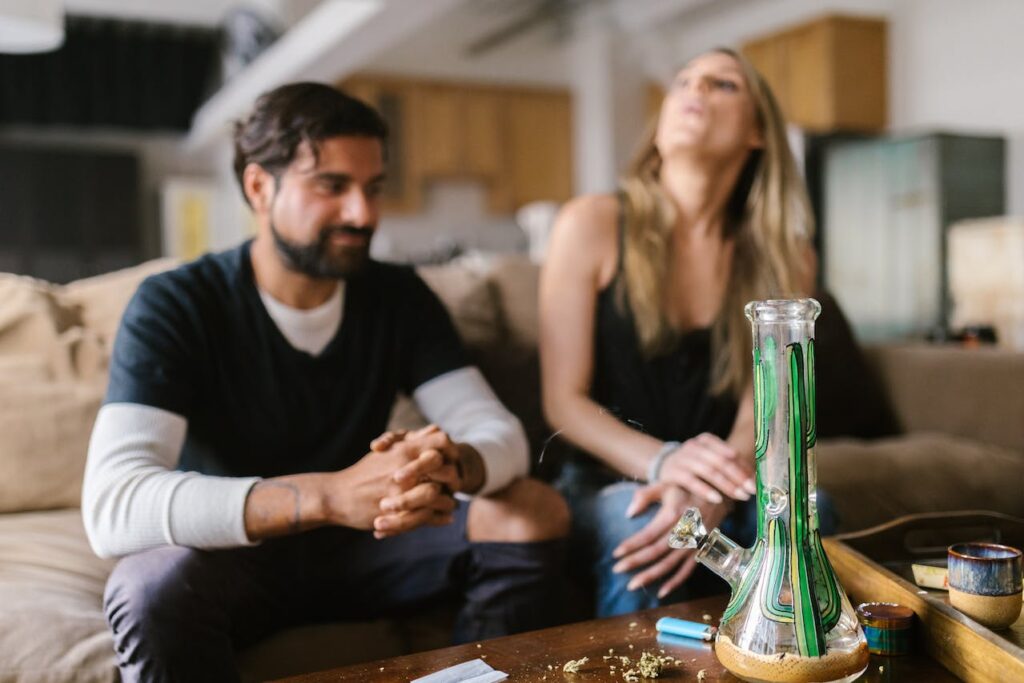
[[649, 548], [708, 467]]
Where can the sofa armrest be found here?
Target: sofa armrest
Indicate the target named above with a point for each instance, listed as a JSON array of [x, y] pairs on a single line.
[[972, 393]]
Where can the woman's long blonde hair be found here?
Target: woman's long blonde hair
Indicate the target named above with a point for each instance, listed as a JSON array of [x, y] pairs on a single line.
[[768, 216]]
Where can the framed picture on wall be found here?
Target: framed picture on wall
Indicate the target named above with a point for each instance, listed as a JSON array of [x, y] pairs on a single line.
[[186, 214]]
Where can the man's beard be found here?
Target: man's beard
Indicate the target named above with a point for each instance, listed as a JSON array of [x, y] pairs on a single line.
[[316, 259]]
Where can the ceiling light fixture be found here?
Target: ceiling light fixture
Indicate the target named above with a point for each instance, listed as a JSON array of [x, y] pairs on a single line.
[[31, 25]]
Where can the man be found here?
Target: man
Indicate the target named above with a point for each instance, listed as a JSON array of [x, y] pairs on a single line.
[[232, 459]]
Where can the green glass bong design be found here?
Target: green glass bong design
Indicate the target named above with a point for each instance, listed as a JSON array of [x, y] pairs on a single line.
[[788, 619]]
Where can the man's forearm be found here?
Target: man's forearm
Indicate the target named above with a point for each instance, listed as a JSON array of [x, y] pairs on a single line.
[[133, 499], [287, 505]]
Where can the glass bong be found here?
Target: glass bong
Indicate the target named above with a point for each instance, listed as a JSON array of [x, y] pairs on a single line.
[[788, 620]]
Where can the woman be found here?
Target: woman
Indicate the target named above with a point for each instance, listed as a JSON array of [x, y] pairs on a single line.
[[645, 352]]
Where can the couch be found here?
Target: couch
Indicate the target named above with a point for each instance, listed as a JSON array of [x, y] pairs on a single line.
[[959, 415]]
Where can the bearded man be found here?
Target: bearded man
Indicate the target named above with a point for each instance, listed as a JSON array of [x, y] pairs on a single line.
[[240, 463]]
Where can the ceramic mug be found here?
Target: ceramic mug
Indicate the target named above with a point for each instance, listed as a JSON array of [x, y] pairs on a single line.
[[985, 582]]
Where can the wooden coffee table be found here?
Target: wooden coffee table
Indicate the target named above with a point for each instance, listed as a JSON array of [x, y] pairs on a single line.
[[540, 655]]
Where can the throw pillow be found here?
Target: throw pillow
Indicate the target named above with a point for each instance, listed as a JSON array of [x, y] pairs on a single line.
[[44, 437], [99, 301], [30, 318], [469, 300]]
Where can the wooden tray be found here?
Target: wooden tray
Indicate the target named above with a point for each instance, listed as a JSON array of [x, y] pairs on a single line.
[[874, 565]]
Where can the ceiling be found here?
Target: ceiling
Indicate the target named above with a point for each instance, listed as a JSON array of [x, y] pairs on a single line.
[[539, 54], [438, 49]]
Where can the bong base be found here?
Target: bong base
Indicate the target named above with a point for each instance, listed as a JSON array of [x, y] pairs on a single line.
[[837, 666]]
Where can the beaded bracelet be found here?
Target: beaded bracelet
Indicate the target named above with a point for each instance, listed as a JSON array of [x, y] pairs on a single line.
[[654, 469]]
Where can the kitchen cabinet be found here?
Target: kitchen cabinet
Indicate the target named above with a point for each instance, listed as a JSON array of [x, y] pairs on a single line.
[[540, 145], [828, 74], [515, 140]]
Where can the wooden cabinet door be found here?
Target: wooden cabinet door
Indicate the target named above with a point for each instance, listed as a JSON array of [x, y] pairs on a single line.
[[485, 150], [437, 120], [483, 123], [859, 81], [768, 57], [459, 131], [517, 141], [809, 92], [828, 74], [540, 147], [654, 95]]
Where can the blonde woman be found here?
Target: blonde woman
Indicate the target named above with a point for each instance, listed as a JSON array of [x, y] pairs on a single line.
[[645, 352]]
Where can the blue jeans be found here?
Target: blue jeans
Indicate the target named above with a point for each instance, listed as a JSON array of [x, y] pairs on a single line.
[[600, 524]]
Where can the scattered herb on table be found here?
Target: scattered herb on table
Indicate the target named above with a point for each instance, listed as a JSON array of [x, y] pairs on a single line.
[[573, 665]]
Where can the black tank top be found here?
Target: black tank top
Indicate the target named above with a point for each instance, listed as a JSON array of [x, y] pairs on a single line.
[[666, 396]]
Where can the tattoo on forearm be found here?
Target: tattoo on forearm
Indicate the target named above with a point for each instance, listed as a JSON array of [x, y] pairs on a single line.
[[295, 524]]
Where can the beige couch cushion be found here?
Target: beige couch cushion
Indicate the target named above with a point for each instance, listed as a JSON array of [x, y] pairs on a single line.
[[31, 321], [44, 436], [515, 281], [24, 367], [37, 331], [875, 481], [98, 302], [51, 591], [468, 297], [974, 393], [54, 350]]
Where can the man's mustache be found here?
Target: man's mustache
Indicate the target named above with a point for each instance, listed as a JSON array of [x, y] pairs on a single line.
[[364, 231]]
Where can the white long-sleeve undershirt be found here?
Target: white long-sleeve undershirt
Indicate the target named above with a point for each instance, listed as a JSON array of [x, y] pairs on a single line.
[[133, 499]]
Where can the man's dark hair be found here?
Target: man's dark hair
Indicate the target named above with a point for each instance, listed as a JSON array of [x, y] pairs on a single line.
[[287, 116]]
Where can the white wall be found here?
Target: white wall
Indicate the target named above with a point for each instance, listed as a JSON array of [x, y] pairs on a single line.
[[630, 99], [593, 84], [609, 88]]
